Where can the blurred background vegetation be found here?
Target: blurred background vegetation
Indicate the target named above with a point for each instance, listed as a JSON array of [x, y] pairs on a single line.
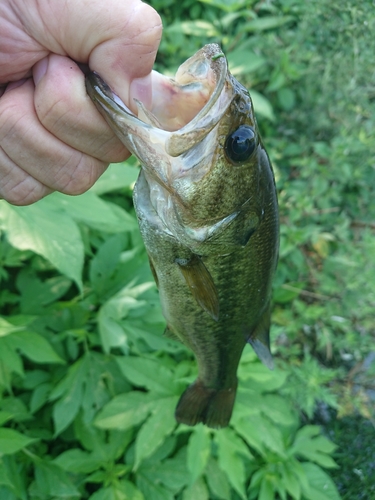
[[88, 384]]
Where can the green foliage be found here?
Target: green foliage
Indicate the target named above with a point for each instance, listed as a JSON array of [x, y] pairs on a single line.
[[88, 382]]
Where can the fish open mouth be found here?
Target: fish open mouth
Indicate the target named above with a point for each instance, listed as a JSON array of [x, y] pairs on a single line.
[[184, 110]]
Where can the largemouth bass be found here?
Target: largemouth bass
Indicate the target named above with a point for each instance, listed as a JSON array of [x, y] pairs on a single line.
[[207, 210]]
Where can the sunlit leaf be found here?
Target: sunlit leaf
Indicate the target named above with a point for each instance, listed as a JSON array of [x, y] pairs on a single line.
[[52, 481], [125, 411], [49, 233], [117, 176], [198, 452], [12, 441], [266, 23], [158, 426], [262, 105], [321, 485]]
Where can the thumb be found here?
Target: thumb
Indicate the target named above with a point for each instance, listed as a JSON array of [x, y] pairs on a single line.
[[124, 58], [117, 38]]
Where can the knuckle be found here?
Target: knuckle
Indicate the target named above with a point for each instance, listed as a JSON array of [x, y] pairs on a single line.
[[151, 23], [79, 177], [24, 193]]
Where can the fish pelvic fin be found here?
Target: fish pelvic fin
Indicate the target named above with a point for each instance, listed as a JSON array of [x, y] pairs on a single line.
[[201, 404], [201, 284], [260, 339]]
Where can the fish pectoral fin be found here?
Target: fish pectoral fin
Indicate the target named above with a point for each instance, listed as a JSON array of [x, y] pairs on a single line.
[[260, 339], [201, 284], [152, 267], [169, 333]]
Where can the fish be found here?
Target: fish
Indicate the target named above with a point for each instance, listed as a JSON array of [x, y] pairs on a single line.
[[207, 208]]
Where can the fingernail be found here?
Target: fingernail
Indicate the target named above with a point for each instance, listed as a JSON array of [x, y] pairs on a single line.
[[140, 89], [39, 70], [14, 85]]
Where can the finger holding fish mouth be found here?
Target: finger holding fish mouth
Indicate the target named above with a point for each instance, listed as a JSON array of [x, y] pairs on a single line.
[[50, 134]]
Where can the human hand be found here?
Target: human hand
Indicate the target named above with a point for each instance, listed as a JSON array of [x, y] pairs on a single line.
[[51, 135]]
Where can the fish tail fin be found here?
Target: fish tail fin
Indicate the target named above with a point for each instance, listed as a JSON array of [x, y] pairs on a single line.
[[212, 407]]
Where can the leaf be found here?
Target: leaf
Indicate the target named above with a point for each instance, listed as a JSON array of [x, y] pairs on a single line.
[[35, 347], [260, 433], [258, 376], [262, 105], [197, 491], [71, 387], [77, 461], [5, 416], [267, 22], [290, 479], [13, 477], [198, 452], [170, 472], [36, 294], [12, 441], [125, 411], [153, 432], [49, 233], [39, 397], [315, 448], [152, 489], [226, 5], [111, 332], [152, 337], [124, 490], [7, 328], [105, 262], [148, 373], [9, 359], [278, 409], [216, 480], [267, 491], [242, 62], [197, 28], [321, 485], [91, 210], [230, 446], [117, 176], [51, 480]]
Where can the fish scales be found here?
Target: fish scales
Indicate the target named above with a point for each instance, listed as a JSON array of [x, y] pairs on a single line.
[[207, 210]]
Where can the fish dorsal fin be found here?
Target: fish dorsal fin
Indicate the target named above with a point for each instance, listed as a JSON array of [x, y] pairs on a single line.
[[201, 284], [260, 339]]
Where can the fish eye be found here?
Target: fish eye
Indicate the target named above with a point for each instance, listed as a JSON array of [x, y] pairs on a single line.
[[240, 144]]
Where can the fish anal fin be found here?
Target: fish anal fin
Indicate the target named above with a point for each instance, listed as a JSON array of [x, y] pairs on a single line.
[[260, 340], [201, 284], [209, 406]]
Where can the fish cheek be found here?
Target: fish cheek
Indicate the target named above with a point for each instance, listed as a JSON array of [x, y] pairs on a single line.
[[201, 284]]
